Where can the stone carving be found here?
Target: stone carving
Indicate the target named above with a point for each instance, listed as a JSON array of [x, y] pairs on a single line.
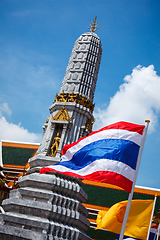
[[46, 206], [83, 66]]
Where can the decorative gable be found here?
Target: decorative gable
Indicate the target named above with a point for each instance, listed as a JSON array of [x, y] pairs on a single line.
[[62, 115]]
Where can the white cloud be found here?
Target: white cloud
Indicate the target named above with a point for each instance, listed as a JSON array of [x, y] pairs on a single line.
[[13, 132], [5, 108], [137, 99]]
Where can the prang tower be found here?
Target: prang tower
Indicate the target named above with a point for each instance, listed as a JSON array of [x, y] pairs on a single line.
[[71, 114], [49, 206]]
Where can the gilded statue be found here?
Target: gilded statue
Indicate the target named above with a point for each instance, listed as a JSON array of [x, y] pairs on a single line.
[[55, 145]]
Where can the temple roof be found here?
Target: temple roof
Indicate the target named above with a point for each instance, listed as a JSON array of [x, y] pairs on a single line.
[[14, 159]]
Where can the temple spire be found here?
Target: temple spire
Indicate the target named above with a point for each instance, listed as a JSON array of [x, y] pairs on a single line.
[[94, 25]]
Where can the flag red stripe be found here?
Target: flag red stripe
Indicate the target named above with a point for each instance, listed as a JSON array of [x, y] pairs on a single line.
[[99, 176], [154, 226]]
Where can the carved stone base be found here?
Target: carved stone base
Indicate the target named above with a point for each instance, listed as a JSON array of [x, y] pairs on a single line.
[[45, 207]]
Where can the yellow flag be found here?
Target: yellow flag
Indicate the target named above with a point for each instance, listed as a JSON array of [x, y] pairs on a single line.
[[138, 219]]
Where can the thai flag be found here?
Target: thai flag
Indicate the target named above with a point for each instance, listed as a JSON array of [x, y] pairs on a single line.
[[108, 155], [153, 231], [152, 234]]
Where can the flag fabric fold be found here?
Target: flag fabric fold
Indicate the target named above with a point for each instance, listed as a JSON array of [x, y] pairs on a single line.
[[138, 220], [108, 155]]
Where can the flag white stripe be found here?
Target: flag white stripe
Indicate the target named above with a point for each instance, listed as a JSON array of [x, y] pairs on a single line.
[[129, 238], [100, 165], [106, 134], [153, 230]]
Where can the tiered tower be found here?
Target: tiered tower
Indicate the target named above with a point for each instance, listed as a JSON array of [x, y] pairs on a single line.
[[49, 206], [71, 114]]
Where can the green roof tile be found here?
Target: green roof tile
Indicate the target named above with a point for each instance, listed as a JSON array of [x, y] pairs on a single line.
[[101, 234], [16, 156]]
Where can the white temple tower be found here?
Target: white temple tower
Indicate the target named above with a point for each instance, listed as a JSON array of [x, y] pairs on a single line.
[[49, 206], [71, 114]]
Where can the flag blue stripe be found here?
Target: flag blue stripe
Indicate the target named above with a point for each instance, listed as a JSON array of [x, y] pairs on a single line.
[[151, 236], [126, 237], [114, 149]]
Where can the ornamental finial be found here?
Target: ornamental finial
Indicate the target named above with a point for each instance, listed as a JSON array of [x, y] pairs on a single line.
[[94, 25]]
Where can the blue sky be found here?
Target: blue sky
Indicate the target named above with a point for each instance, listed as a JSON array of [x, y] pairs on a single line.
[[35, 45]]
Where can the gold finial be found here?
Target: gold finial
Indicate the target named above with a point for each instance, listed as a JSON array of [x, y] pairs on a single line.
[[94, 25], [147, 120]]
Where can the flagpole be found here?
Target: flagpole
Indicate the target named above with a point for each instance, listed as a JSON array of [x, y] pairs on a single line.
[[134, 182], [149, 229]]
